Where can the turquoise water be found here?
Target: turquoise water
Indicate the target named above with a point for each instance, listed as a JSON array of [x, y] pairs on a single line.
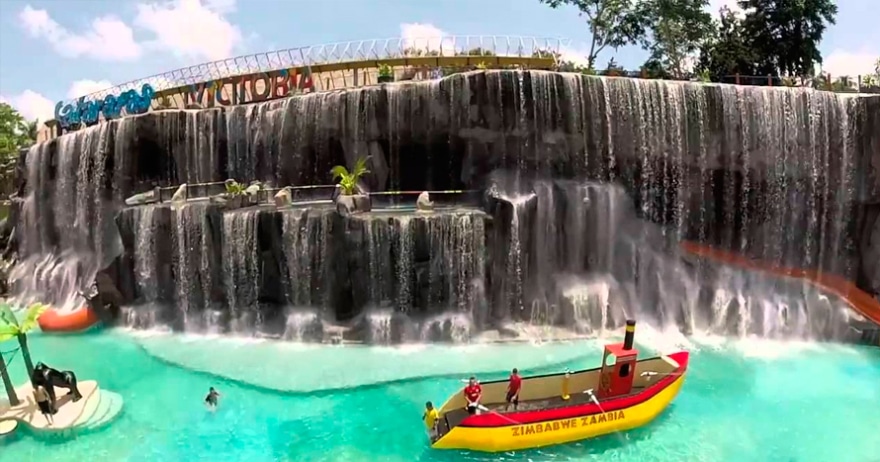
[[744, 400]]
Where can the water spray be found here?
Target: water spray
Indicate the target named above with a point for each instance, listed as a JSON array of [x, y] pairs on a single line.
[[589, 391]]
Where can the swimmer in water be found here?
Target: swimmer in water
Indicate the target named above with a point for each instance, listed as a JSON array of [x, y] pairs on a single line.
[[212, 398]]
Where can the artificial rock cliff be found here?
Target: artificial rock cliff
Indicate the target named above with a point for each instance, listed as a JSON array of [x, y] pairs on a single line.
[[589, 184]]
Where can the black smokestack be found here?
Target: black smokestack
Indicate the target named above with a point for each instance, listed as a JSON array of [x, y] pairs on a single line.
[[630, 335]]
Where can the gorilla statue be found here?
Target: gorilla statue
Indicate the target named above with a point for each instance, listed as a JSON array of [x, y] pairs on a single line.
[[50, 378]]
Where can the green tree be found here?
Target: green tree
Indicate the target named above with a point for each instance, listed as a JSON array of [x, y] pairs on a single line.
[[728, 50], [11, 328], [872, 80], [786, 34], [676, 30], [612, 23], [13, 131]]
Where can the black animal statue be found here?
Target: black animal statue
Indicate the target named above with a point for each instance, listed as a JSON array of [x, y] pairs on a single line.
[[50, 378]]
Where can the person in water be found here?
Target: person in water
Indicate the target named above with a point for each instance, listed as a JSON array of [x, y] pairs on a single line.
[[513, 387], [430, 417], [212, 399], [42, 398], [473, 392]]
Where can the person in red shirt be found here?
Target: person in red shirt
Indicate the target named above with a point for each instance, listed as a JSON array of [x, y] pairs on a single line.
[[513, 389], [472, 394]]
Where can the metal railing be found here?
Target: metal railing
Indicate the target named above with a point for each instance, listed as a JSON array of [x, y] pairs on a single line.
[[362, 50]]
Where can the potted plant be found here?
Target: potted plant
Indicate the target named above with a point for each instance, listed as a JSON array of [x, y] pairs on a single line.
[[235, 192], [350, 199], [482, 66], [386, 74]]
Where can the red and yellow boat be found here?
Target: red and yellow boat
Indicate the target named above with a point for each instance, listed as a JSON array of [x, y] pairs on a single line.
[[623, 394]]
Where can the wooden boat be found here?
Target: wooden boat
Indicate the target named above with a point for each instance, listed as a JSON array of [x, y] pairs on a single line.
[[623, 394], [78, 320]]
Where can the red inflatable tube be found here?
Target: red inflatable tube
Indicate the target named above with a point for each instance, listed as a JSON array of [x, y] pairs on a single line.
[[78, 320]]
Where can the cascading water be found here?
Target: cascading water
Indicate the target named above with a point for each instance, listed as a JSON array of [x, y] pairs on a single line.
[[66, 232], [307, 254], [145, 263], [192, 265], [609, 176], [431, 261], [648, 279], [241, 268]]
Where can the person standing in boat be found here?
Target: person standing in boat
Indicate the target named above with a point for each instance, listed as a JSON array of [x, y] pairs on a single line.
[[513, 387], [473, 392], [430, 417]]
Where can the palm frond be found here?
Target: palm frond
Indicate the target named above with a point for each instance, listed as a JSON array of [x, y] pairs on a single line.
[[33, 313], [6, 315], [339, 172], [360, 167], [6, 335]]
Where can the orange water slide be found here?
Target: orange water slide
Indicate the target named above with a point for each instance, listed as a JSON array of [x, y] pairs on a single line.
[[860, 301]]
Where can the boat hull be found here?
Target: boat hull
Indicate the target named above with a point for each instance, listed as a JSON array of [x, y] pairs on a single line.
[[560, 431], [494, 432]]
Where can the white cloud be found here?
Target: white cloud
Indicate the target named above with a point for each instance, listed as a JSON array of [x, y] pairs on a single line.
[[427, 37], [195, 30], [190, 29], [107, 38], [575, 55], [850, 63], [31, 105], [86, 87]]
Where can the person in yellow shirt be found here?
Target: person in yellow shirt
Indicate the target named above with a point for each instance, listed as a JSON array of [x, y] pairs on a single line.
[[430, 417]]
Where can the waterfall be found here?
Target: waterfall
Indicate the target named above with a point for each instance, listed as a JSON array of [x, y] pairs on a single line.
[[145, 259], [67, 233], [430, 261], [608, 177], [648, 280], [241, 267], [306, 235], [192, 263]]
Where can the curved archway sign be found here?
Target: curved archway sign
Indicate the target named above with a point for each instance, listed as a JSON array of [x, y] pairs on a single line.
[[229, 91]]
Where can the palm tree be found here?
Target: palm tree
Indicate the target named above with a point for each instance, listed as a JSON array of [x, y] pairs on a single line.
[[32, 129], [7, 382], [28, 132], [10, 327]]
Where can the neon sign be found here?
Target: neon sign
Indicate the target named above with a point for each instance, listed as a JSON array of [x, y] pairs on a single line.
[[111, 107]]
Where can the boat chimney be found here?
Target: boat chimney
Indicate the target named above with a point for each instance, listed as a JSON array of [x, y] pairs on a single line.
[[630, 334]]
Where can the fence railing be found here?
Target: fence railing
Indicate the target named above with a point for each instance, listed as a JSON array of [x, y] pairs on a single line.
[[362, 50]]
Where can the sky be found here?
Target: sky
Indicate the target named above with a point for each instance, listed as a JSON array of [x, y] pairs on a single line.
[[60, 49]]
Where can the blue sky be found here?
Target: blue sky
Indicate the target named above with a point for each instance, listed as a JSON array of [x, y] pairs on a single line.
[[57, 49]]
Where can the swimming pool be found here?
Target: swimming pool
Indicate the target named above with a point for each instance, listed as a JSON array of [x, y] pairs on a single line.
[[744, 400]]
